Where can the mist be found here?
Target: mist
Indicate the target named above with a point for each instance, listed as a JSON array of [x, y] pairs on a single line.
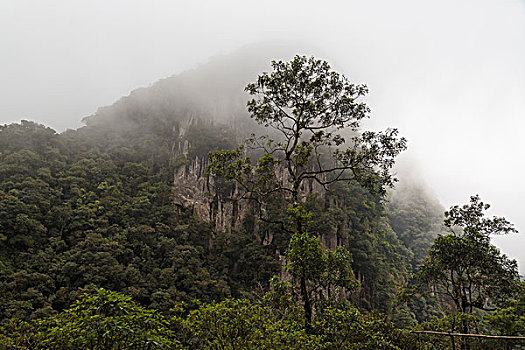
[[449, 75]]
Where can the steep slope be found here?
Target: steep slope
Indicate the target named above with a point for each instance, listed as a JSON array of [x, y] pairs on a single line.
[[126, 203]]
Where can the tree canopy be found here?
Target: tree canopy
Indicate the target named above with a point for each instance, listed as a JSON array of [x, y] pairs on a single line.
[[465, 270], [464, 266], [308, 104]]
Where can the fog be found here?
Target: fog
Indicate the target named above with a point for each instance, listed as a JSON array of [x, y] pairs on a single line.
[[450, 75]]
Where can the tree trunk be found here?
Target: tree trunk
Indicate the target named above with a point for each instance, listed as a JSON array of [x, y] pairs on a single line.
[[464, 308], [307, 306], [465, 342]]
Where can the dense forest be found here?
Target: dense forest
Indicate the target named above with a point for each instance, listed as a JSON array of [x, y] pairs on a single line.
[[173, 220]]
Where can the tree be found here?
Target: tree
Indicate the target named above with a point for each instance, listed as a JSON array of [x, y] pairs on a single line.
[[319, 272], [307, 105], [464, 268]]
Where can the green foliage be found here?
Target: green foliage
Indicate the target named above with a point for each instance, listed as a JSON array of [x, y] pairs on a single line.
[[324, 270], [107, 320], [239, 324], [94, 208], [98, 320], [332, 99], [322, 275], [455, 323], [416, 217], [351, 216], [20, 335], [276, 324], [469, 272], [474, 224], [73, 216], [346, 328], [307, 103], [470, 277], [509, 320], [464, 267]]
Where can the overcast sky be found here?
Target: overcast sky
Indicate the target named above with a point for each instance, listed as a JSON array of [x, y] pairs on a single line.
[[449, 74]]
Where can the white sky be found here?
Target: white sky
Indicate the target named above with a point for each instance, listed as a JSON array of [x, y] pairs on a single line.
[[449, 74]]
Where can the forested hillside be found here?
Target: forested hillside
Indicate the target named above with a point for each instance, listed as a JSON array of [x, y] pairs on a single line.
[[129, 204]]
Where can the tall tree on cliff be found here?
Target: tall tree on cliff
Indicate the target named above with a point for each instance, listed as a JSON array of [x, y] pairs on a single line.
[[307, 104]]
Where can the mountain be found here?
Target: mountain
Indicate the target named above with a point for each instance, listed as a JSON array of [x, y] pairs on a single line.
[[126, 203]]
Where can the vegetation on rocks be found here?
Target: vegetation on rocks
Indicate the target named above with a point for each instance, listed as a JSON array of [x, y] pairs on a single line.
[[104, 244]]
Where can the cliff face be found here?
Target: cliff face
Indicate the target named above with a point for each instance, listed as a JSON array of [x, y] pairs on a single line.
[[222, 204], [195, 112], [196, 190], [175, 123]]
